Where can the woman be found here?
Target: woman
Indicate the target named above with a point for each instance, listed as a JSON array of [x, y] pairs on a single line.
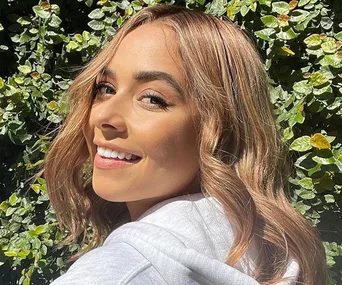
[[187, 166]]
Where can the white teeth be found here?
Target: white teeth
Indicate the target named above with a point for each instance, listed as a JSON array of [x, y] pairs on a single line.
[[114, 154], [106, 152], [101, 151], [128, 156], [121, 155]]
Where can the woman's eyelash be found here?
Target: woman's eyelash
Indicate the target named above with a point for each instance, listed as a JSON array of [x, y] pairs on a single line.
[[160, 101], [99, 86], [98, 91]]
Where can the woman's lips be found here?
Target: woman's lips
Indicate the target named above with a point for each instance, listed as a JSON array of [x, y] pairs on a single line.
[[112, 163]]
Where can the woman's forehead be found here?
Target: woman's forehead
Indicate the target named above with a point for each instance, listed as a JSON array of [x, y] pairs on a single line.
[[149, 40], [149, 47]]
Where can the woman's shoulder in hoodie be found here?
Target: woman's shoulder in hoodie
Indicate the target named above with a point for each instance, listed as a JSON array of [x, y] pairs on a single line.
[[182, 240]]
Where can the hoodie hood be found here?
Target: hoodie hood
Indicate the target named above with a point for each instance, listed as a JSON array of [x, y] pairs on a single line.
[[180, 241], [191, 235]]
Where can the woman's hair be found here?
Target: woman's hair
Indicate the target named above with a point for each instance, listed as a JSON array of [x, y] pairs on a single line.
[[242, 160]]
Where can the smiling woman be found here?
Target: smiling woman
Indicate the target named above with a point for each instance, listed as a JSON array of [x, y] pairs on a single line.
[[188, 173], [137, 109]]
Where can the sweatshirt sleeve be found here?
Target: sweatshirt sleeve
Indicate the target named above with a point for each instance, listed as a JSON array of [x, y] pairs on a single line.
[[118, 264]]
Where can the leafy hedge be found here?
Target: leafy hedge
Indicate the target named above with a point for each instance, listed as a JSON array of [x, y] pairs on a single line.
[[44, 43]]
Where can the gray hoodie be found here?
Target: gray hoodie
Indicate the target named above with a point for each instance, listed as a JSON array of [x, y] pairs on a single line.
[[180, 241]]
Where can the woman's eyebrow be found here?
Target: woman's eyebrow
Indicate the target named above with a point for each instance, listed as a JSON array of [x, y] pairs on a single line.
[[150, 75]]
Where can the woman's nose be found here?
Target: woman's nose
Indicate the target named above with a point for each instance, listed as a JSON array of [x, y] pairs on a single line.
[[109, 115]]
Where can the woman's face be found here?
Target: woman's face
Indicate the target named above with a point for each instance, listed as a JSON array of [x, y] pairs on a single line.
[[140, 109]]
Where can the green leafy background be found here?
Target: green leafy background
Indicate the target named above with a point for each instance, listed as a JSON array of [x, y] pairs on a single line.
[[43, 44]]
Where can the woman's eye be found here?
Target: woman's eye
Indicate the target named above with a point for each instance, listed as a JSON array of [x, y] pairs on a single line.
[[106, 90], [153, 99], [102, 89]]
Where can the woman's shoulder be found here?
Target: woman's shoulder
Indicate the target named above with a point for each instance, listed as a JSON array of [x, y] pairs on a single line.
[[117, 264]]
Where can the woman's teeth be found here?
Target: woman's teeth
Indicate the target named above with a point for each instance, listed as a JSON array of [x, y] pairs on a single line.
[[106, 152]]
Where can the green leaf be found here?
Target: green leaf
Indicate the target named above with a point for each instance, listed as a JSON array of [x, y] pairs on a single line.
[[265, 34], [2, 83], [303, 3], [52, 105], [96, 14], [55, 8], [301, 207], [287, 51], [44, 249], [299, 117], [79, 38], [329, 198], [11, 253], [89, 3], [119, 21], [323, 160], [329, 46], [281, 7], [265, 2], [287, 34], [13, 199], [306, 194], [244, 10], [302, 87], [316, 52], [24, 21], [232, 9], [331, 60], [10, 211], [338, 36], [313, 40], [314, 171], [306, 183], [323, 90], [318, 79], [49, 242], [25, 37], [55, 21], [287, 134], [301, 144], [25, 69], [86, 35], [326, 23], [299, 15], [40, 229], [59, 262], [40, 12], [270, 21], [137, 5], [301, 26], [96, 25], [4, 206], [19, 80], [72, 45], [24, 253], [36, 243]]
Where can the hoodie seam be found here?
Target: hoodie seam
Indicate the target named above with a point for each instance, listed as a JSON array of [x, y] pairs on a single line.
[[142, 266], [163, 253], [136, 275]]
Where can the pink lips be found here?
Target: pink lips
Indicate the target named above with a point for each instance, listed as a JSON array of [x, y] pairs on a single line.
[[112, 163]]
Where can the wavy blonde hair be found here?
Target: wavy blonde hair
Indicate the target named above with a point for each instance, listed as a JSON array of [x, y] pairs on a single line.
[[242, 161]]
